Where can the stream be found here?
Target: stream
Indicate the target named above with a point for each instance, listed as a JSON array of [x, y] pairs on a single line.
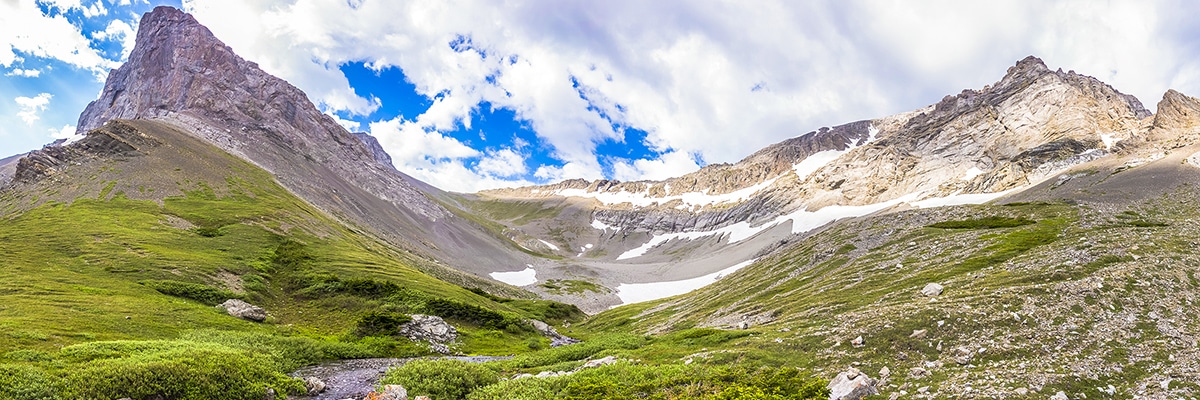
[[353, 379]]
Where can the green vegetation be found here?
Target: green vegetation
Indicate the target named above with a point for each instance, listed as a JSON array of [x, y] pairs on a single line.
[[991, 222], [101, 288], [196, 291], [631, 381], [441, 379], [572, 286]]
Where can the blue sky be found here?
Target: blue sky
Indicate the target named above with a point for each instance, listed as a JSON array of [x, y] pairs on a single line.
[[469, 94]]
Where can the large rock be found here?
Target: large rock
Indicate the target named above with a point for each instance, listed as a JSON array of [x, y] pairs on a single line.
[[852, 385], [932, 289], [432, 329], [556, 339], [244, 310]]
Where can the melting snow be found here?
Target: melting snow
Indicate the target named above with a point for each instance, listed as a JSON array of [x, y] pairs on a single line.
[[959, 199], [548, 244], [820, 159], [639, 292], [519, 278], [972, 173], [1109, 140], [603, 226]]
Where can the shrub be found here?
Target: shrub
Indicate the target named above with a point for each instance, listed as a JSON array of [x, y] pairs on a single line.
[[180, 370], [628, 381], [25, 382], [467, 313], [443, 379], [984, 223], [573, 352], [380, 323], [195, 291]]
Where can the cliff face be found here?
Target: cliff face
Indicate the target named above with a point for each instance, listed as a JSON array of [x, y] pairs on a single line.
[[178, 72]]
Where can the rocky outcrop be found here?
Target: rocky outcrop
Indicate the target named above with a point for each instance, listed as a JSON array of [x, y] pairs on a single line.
[[244, 310], [431, 329], [389, 392], [556, 339], [377, 150], [1177, 123], [852, 385], [116, 140]]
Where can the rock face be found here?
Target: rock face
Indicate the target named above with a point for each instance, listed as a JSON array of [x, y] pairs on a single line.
[[244, 310], [851, 385], [432, 329], [116, 140], [178, 72], [1177, 123]]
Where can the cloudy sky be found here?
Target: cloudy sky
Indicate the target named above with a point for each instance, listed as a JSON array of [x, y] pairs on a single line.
[[477, 94]]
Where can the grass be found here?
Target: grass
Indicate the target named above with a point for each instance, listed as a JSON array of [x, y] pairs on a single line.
[[118, 291], [572, 287], [991, 222]]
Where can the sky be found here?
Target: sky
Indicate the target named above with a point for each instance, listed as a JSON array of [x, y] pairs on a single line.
[[476, 94]]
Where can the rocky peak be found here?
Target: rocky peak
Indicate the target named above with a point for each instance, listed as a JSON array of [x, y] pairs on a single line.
[[1177, 122]]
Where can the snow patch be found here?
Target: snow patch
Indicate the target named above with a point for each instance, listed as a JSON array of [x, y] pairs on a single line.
[[523, 277], [548, 244], [1109, 140], [959, 199], [972, 173], [1194, 159], [603, 226], [639, 292], [820, 159]]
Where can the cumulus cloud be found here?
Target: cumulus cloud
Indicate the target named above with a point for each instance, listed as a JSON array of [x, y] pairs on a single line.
[[119, 30], [706, 81], [26, 31], [32, 107]]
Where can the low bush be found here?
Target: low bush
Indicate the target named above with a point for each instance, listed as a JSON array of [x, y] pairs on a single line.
[[573, 352], [444, 379], [26, 382], [467, 313], [195, 291], [628, 381], [380, 323], [984, 223]]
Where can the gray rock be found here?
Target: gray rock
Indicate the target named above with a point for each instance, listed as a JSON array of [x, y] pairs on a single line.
[[1059, 396], [858, 342], [919, 334], [962, 355], [1021, 392], [599, 362], [932, 289], [432, 329], [556, 339], [390, 392], [314, 385], [243, 310], [852, 385], [918, 372], [269, 395]]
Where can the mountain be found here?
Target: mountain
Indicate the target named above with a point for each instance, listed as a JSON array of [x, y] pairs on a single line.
[[181, 74], [971, 147]]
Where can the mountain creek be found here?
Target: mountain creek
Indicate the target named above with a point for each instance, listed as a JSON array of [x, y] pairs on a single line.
[[354, 379]]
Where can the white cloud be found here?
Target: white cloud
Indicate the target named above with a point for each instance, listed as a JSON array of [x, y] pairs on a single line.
[[503, 163], [27, 73], [32, 107], [119, 30], [352, 126], [65, 132], [709, 79], [25, 30]]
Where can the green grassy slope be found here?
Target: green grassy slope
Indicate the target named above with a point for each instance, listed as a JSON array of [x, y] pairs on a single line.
[[1043, 296], [83, 251]]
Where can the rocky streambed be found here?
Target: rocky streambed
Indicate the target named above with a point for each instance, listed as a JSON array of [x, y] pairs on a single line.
[[353, 379]]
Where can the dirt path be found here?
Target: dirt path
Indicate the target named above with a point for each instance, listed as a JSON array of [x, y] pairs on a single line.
[[353, 379]]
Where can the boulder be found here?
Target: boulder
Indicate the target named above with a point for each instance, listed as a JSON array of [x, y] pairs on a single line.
[[1059, 396], [244, 310], [432, 329], [932, 289], [556, 339], [314, 385], [599, 362], [858, 342], [852, 385]]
